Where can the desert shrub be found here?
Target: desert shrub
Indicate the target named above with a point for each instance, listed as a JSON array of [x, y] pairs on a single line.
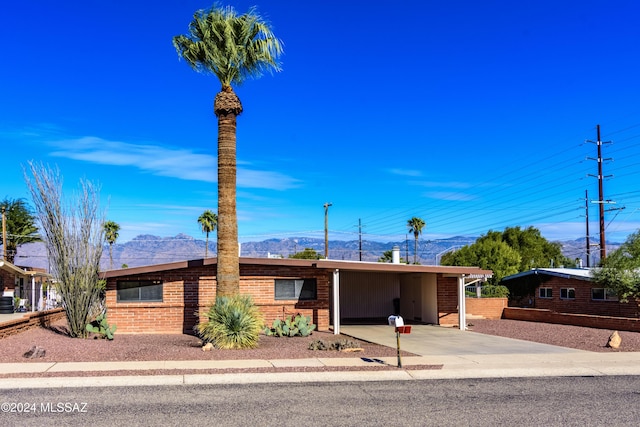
[[335, 345], [489, 291], [495, 291], [297, 325], [234, 323]]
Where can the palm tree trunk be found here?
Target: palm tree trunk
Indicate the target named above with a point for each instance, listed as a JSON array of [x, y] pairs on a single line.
[[206, 245], [111, 256], [227, 106], [10, 251], [415, 251]]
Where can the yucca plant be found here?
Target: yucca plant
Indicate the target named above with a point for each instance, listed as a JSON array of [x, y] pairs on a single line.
[[234, 323]]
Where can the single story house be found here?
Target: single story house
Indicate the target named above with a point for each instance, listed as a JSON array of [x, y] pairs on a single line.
[[566, 290], [174, 297], [31, 285]]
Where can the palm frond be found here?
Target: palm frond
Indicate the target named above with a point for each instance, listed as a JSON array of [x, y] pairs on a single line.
[[232, 47]]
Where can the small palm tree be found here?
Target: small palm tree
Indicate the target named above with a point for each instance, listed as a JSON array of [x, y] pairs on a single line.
[[19, 222], [415, 226], [111, 233], [232, 47], [208, 222]]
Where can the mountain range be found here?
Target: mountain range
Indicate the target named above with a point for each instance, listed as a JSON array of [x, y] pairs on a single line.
[[148, 250]]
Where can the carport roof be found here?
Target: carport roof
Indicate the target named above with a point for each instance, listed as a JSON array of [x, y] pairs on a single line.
[[7, 266], [381, 267]]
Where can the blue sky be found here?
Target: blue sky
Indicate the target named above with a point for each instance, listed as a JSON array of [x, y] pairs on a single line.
[[470, 115]]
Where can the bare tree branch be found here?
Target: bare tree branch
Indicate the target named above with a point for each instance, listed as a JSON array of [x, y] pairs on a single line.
[[73, 235]]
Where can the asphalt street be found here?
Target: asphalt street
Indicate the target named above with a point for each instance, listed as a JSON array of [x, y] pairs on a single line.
[[562, 401]]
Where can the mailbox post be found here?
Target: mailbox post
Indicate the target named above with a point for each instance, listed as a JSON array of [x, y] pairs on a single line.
[[400, 328]]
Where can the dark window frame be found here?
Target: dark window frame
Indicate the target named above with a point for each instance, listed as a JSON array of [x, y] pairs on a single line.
[[301, 289], [548, 293], [567, 293], [125, 290], [607, 294]]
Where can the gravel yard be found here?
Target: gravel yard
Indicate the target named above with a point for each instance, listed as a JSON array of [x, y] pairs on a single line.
[[135, 347], [577, 337], [61, 348]]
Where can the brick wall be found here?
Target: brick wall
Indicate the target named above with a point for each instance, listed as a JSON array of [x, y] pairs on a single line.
[[487, 308], [30, 320], [7, 280], [582, 304], [188, 293], [447, 300], [590, 321]]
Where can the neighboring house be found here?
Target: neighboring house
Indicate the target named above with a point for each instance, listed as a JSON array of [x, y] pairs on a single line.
[[566, 290], [32, 285], [174, 297]]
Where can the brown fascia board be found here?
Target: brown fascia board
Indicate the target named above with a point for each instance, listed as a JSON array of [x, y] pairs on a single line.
[[7, 266], [402, 268], [380, 267], [158, 267]]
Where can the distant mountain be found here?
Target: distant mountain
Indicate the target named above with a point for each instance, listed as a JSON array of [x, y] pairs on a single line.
[[148, 250]]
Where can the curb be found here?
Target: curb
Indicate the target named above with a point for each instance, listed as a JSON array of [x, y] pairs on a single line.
[[311, 377]]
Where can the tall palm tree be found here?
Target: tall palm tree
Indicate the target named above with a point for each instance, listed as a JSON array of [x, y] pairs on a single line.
[[415, 226], [111, 233], [208, 222], [232, 47]]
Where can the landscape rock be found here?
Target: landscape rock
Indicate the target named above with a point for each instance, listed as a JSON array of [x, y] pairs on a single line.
[[207, 347], [35, 352], [614, 340]]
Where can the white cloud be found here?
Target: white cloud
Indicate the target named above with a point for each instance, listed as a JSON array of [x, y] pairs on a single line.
[[265, 179], [434, 184], [405, 172], [163, 161], [450, 195]]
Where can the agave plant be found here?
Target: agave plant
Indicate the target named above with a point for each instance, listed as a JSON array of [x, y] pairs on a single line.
[[234, 323]]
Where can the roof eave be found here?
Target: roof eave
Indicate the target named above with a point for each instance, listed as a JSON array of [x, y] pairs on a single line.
[[319, 264]]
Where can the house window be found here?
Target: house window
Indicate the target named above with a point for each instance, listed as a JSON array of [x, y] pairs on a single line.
[[546, 293], [567, 293], [139, 290], [603, 294], [300, 289]]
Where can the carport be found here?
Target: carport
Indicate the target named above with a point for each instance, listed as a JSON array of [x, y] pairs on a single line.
[[370, 291]]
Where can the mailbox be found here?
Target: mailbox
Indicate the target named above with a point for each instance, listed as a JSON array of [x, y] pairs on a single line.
[[396, 321]]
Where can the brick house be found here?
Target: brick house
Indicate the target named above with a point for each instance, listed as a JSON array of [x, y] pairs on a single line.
[[566, 290], [173, 297], [29, 284]]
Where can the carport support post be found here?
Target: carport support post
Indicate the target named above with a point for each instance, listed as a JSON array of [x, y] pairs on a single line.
[[462, 308], [33, 293], [336, 302]]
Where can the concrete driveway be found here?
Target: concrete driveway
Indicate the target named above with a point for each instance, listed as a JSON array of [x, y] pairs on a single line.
[[430, 340]]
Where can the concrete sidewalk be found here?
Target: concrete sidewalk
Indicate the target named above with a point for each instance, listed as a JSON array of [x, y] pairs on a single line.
[[452, 367]]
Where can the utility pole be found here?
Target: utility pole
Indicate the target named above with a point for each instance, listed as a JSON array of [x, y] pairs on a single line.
[[601, 201], [406, 248], [326, 230], [586, 209], [4, 235], [360, 237]]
